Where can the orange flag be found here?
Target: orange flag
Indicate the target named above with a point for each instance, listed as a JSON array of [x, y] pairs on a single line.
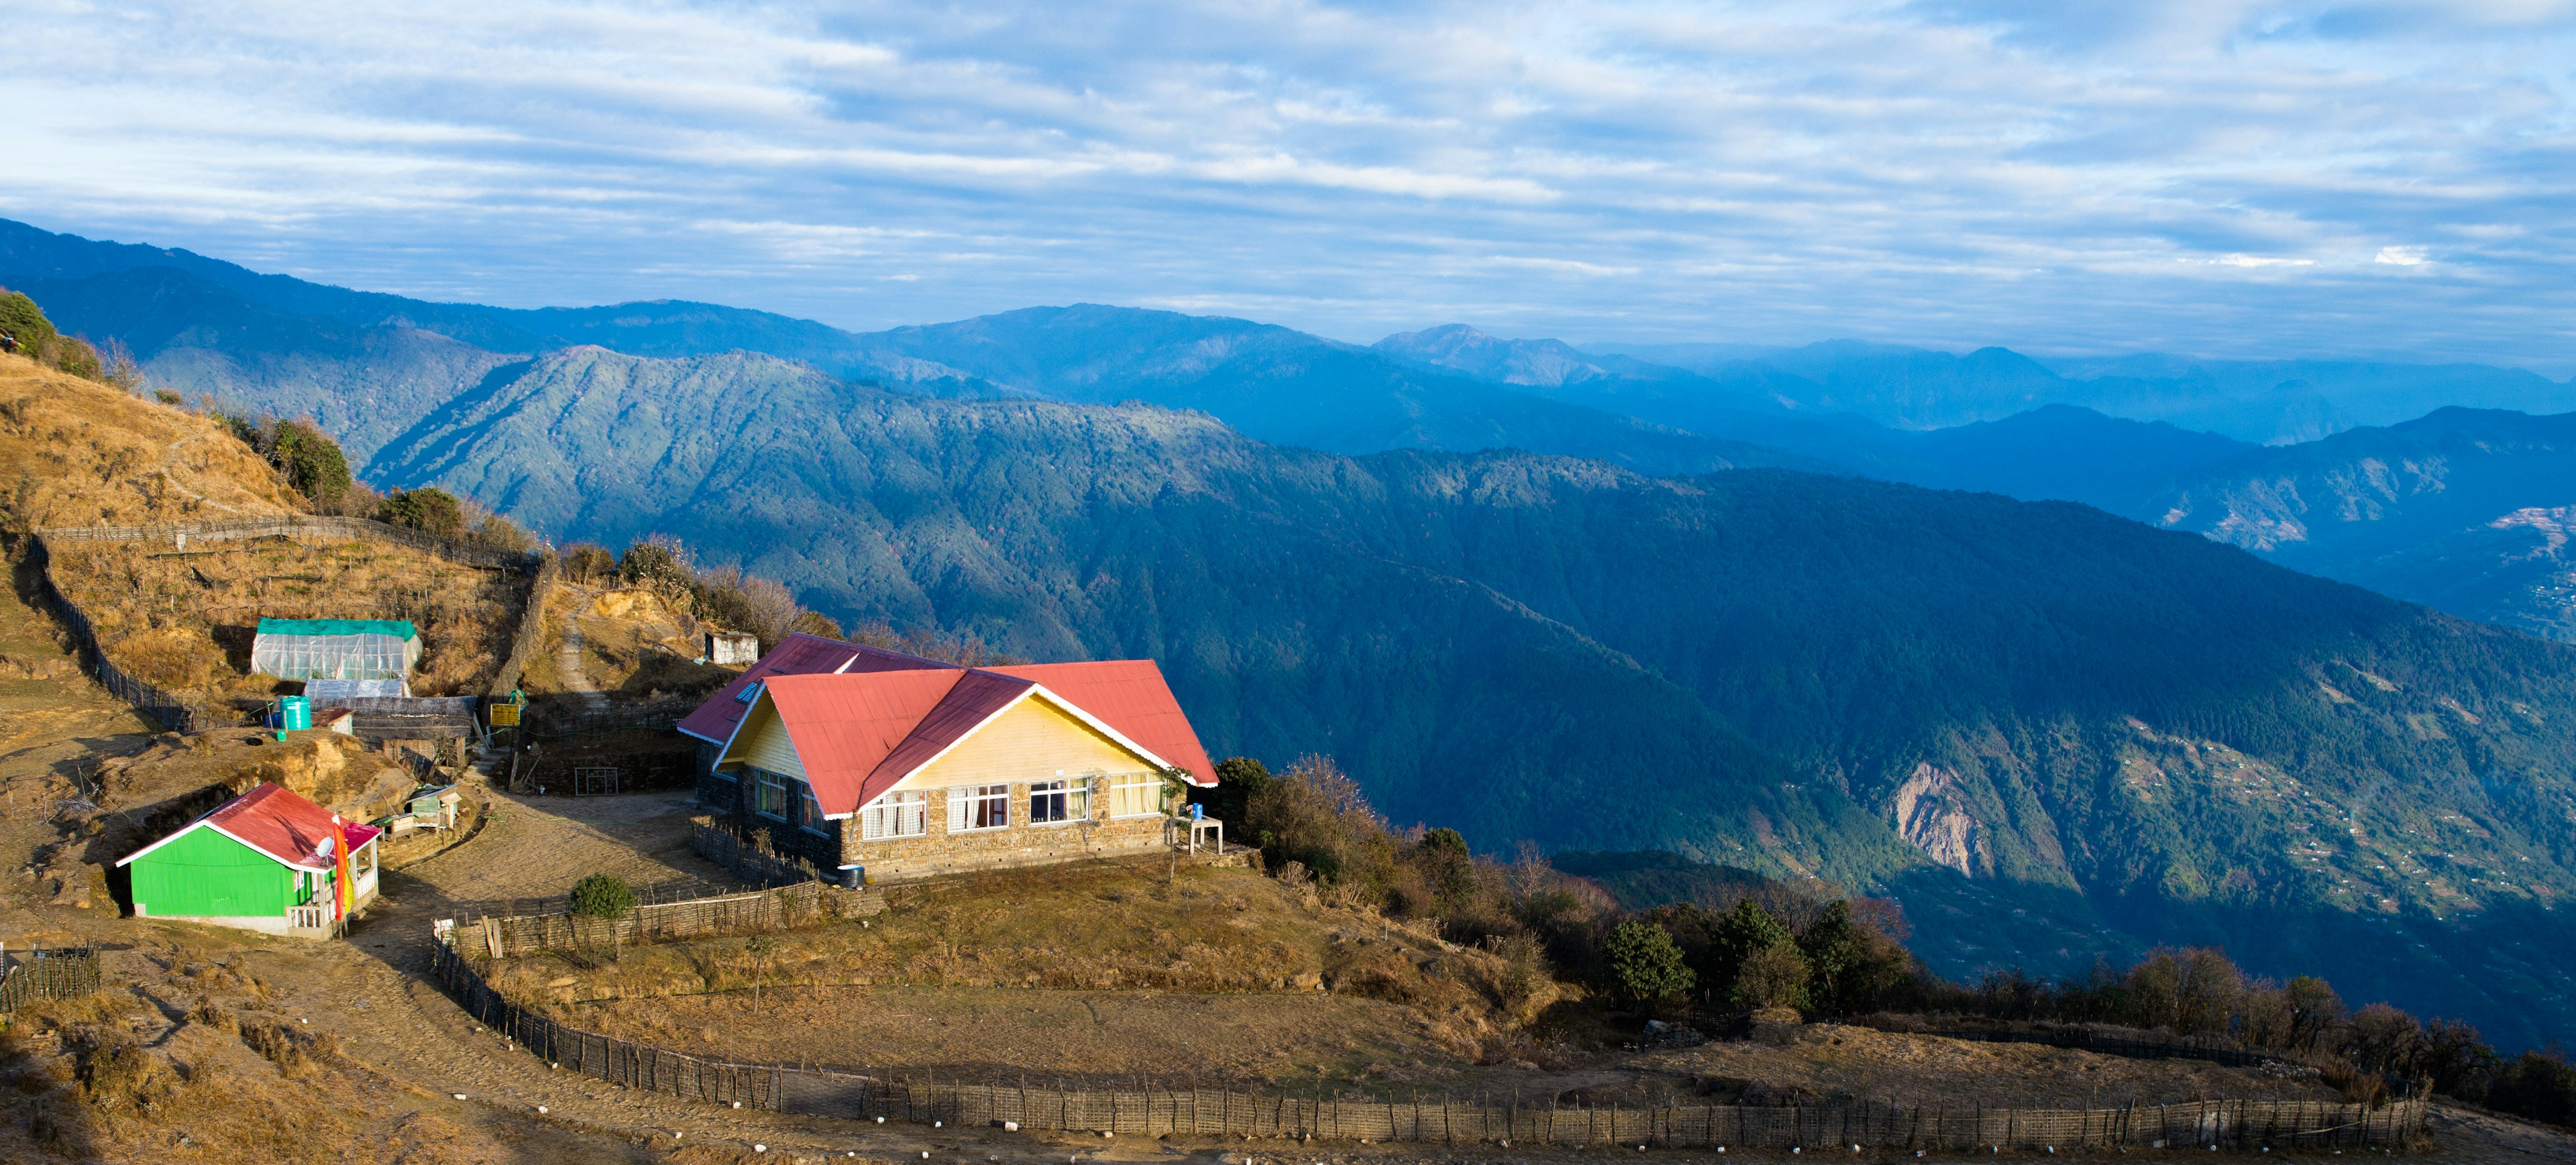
[[340, 862]]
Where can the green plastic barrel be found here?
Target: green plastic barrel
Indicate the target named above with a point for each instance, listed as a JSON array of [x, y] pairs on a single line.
[[294, 712]]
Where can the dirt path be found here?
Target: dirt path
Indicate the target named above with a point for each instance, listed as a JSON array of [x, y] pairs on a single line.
[[568, 670], [171, 470], [537, 847]]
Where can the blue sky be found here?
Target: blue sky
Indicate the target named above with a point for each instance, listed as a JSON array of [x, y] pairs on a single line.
[[2216, 178]]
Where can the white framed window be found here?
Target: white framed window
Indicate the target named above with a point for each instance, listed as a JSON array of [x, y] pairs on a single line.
[[809, 812], [1059, 800], [973, 807], [896, 815], [1137, 795]]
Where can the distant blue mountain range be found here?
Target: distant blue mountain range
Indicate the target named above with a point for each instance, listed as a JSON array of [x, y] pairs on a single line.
[[2197, 444]]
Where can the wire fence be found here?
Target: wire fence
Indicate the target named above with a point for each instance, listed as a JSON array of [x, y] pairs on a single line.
[[48, 973], [922, 1098]]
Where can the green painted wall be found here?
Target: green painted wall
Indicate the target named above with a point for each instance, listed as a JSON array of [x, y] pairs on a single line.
[[206, 874]]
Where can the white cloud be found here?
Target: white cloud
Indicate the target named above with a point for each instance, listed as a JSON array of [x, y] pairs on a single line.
[[2051, 174]]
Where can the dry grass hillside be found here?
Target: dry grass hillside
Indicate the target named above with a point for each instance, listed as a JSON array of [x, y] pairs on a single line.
[[81, 453], [88, 454], [184, 618], [1089, 970], [629, 642]]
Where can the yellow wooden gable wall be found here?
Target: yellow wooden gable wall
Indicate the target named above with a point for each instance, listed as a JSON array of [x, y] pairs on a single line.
[[1034, 741], [762, 742]]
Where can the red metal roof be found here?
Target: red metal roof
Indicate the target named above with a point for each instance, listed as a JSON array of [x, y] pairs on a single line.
[[859, 733], [844, 726], [278, 823], [798, 654]]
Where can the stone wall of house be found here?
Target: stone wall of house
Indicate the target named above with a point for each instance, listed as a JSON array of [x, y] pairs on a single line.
[[727, 797], [1021, 843], [721, 795]]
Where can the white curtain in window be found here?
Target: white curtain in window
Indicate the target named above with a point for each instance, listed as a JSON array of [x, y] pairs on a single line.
[[896, 815], [1136, 796]]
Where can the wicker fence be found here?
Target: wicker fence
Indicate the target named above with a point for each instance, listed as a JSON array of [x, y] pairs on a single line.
[[171, 710], [2246, 1125], [62, 973], [749, 862], [179, 714], [786, 908]]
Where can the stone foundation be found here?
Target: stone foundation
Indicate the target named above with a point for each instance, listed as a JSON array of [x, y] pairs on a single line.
[[1021, 843]]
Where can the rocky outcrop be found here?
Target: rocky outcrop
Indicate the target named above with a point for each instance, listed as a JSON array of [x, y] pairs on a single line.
[[1934, 815]]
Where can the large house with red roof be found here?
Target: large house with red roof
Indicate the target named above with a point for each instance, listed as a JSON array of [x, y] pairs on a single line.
[[879, 766], [267, 860]]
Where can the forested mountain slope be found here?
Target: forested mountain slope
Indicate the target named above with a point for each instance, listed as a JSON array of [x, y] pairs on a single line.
[[2466, 509], [1986, 706]]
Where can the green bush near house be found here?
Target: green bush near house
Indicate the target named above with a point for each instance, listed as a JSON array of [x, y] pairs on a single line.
[[602, 896]]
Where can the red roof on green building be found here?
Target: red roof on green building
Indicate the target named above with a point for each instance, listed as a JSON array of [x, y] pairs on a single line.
[[276, 822]]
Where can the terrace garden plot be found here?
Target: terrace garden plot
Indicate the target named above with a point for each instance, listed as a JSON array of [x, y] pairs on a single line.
[[183, 619]]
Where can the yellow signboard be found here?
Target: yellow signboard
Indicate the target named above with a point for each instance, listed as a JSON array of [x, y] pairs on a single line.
[[505, 715]]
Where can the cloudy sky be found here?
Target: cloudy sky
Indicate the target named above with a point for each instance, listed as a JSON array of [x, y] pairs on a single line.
[[2208, 176]]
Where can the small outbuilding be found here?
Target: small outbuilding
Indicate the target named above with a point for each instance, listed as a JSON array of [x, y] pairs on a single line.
[[733, 648], [267, 860], [336, 649]]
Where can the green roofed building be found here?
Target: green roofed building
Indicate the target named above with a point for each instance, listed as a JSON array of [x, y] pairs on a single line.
[[335, 649]]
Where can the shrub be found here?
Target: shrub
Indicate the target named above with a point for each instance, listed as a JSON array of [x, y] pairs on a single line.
[[1645, 964], [118, 1074], [1316, 814], [117, 366], [2538, 1085], [1775, 976], [659, 563], [602, 896], [588, 562], [491, 529], [746, 603], [21, 318], [312, 462], [1853, 963], [1238, 780], [815, 623], [39, 341], [428, 510], [1446, 869]]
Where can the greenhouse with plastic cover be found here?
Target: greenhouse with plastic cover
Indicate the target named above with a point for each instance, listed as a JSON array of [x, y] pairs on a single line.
[[335, 649]]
